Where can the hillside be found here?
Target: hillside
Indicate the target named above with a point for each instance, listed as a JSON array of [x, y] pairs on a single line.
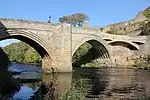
[[130, 27]]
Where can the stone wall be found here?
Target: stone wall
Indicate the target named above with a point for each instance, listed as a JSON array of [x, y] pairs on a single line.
[[121, 55]]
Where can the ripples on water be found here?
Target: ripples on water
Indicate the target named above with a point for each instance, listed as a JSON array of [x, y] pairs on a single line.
[[103, 84], [120, 84]]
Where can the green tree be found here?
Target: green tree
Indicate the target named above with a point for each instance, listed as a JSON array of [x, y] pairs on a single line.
[[31, 56], [74, 19], [22, 52]]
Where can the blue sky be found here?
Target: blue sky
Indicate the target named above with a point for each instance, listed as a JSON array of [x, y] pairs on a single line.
[[100, 12]]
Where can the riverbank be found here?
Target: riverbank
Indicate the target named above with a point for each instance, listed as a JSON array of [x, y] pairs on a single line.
[[143, 62]]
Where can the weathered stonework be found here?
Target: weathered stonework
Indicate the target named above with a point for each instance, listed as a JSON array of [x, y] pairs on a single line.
[[56, 43]]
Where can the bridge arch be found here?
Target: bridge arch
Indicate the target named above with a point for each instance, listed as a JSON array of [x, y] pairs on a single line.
[[97, 42], [128, 45], [30, 38]]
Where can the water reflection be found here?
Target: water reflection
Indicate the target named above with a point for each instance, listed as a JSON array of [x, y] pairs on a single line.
[[63, 80], [27, 91], [14, 89], [105, 84], [97, 80], [114, 84], [18, 85], [101, 84], [127, 84], [8, 85]]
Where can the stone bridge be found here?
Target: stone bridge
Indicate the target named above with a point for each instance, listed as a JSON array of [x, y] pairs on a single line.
[[57, 43]]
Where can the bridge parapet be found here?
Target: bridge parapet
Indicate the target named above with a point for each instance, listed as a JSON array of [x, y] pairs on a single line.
[[84, 30], [140, 39], [18, 23]]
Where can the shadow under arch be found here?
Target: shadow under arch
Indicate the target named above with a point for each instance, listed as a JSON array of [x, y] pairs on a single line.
[[98, 43], [99, 51], [124, 44]]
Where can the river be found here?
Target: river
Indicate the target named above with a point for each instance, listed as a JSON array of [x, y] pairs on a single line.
[[101, 84]]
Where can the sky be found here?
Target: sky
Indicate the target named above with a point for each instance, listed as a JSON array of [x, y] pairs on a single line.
[[100, 12]]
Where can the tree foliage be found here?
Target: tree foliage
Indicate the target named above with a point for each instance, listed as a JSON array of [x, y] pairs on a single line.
[[146, 12], [74, 19], [22, 52]]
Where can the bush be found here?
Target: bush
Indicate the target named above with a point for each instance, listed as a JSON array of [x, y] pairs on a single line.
[[143, 63]]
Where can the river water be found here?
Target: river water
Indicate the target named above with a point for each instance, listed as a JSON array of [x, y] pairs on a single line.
[[101, 84]]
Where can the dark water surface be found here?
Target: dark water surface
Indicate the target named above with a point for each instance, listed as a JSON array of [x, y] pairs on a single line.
[[104, 84], [29, 79]]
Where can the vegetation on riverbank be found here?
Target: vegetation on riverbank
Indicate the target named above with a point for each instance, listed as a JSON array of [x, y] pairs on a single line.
[[23, 53], [143, 62]]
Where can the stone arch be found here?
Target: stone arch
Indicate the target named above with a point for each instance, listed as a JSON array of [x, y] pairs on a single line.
[[33, 40], [128, 45], [97, 42]]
